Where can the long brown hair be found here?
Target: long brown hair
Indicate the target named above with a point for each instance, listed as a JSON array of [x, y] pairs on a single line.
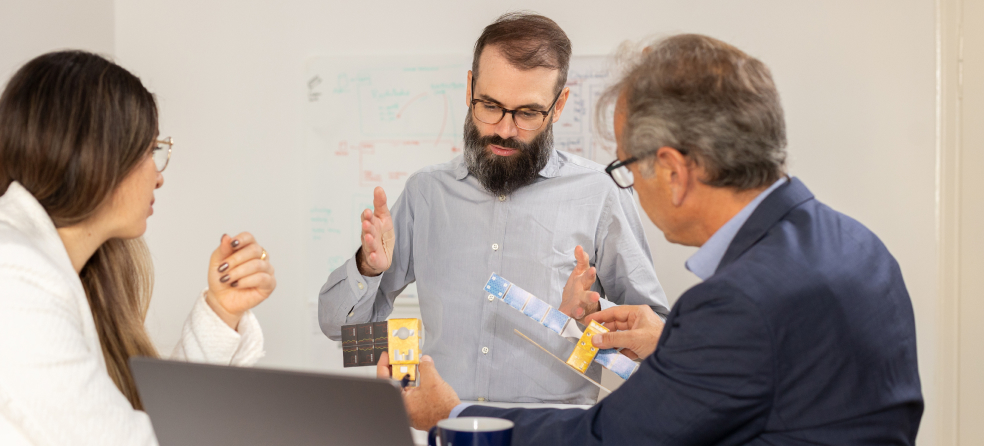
[[73, 125]]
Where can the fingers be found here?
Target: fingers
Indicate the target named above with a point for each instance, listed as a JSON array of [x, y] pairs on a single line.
[[617, 317], [242, 239], [615, 339], [243, 255], [582, 261], [588, 278], [383, 366], [634, 343], [379, 202], [371, 237], [428, 373], [225, 248], [641, 338], [263, 281], [228, 245], [246, 269]]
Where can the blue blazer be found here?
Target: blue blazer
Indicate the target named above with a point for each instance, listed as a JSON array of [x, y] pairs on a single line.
[[803, 335]]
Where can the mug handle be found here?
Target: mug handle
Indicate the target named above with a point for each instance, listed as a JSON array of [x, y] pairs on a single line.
[[432, 437]]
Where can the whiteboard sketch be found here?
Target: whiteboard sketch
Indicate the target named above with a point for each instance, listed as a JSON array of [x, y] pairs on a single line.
[[373, 121]]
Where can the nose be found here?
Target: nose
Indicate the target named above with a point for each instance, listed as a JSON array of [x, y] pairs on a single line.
[[160, 180], [506, 128]]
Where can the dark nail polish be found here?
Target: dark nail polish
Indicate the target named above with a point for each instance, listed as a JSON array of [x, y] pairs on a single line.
[[223, 267], [235, 243], [224, 278], [234, 283]]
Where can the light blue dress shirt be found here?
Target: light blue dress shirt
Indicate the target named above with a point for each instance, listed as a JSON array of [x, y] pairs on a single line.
[[451, 235], [706, 260]]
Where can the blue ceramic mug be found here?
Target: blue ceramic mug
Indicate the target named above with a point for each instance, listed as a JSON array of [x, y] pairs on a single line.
[[471, 431]]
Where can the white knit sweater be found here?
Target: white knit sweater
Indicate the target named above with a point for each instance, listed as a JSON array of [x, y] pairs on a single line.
[[54, 387]]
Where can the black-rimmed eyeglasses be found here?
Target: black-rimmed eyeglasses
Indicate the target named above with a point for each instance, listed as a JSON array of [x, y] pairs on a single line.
[[524, 118], [620, 173]]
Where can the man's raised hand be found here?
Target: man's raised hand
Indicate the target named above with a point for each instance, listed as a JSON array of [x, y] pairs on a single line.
[[578, 300], [378, 238]]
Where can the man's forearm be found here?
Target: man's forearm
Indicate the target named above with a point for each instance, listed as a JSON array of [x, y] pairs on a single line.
[[347, 297]]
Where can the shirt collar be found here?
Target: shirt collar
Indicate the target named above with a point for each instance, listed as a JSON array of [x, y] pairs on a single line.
[[460, 169], [551, 170], [705, 261]]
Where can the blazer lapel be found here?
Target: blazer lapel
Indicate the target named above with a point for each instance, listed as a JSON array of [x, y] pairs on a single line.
[[769, 212]]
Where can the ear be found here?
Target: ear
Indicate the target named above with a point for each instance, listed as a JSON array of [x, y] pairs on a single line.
[[468, 92], [561, 102], [674, 168]]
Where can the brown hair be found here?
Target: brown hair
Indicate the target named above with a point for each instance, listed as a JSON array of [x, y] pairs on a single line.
[[73, 125], [528, 41], [709, 100]]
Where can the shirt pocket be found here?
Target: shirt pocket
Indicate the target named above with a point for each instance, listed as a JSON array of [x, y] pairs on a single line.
[[571, 223]]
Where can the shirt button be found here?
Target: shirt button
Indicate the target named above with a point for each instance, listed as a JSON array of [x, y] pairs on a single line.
[[491, 298], [481, 398], [361, 286], [351, 313], [485, 350], [502, 198], [495, 246]]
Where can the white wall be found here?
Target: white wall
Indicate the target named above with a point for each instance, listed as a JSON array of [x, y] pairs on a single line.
[[970, 217], [857, 81], [30, 28]]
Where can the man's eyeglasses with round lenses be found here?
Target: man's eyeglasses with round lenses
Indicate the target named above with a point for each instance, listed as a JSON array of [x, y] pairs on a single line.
[[162, 152], [524, 118], [620, 172]]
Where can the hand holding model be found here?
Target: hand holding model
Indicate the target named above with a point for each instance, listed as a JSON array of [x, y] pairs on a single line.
[[634, 328], [433, 398]]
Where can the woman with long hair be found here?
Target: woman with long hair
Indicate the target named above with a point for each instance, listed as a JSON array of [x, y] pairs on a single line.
[[80, 158]]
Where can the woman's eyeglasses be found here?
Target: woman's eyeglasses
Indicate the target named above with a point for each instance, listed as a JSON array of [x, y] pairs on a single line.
[[162, 153]]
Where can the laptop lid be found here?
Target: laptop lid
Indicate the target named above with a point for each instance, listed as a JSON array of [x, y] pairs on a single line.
[[201, 404]]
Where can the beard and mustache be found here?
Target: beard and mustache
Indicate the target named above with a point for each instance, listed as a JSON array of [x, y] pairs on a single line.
[[501, 175]]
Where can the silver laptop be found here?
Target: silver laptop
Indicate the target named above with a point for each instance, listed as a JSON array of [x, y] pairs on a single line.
[[199, 404]]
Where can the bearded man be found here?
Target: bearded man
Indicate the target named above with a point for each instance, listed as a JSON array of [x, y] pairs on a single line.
[[551, 222]]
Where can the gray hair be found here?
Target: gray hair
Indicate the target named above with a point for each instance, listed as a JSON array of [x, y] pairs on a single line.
[[707, 99]]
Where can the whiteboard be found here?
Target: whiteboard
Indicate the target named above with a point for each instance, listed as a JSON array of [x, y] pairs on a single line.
[[373, 121]]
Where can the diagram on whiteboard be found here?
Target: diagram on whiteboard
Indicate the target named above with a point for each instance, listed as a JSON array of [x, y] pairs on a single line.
[[373, 121]]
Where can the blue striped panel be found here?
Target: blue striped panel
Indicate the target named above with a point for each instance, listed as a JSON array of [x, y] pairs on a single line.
[[497, 286], [555, 320], [606, 356], [516, 297], [536, 309], [612, 360]]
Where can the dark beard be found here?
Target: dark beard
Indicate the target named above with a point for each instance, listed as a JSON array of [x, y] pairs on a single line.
[[502, 175]]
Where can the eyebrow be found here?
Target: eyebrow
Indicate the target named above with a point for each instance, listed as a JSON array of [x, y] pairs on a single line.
[[533, 106]]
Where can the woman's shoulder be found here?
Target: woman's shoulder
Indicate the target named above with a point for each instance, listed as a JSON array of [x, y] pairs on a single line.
[[23, 265]]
